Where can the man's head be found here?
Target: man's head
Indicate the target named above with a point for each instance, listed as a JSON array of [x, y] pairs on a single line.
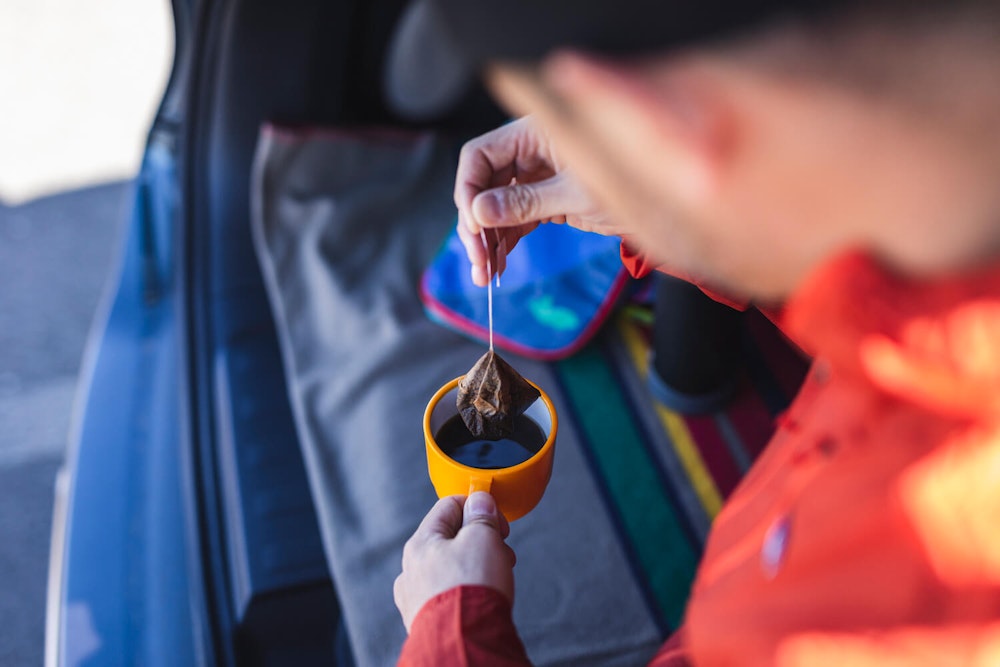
[[749, 159]]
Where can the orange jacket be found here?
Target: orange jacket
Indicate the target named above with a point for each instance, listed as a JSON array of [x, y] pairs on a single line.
[[868, 532]]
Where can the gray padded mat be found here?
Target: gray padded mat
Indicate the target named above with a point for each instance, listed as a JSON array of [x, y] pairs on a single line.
[[344, 224]]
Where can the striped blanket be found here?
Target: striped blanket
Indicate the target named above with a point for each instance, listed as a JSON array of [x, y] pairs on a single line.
[[664, 475]]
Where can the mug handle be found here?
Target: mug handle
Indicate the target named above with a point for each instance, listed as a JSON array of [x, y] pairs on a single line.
[[480, 484]]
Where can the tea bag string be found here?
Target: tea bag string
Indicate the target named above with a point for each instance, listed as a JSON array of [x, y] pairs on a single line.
[[489, 281]]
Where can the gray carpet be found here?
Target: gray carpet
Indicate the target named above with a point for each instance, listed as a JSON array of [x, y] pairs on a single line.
[[344, 224]]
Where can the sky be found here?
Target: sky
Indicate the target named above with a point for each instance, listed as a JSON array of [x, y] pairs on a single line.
[[79, 84]]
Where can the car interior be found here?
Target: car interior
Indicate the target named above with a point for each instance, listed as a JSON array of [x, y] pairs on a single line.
[[304, 64]]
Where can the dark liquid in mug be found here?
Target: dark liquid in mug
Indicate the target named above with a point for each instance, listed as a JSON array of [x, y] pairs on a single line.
[[455, 440]]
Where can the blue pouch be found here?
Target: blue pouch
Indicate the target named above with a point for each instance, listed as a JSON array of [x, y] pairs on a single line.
[[559, 286]]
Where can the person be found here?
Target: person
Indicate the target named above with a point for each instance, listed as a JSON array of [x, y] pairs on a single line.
[[839, 160]]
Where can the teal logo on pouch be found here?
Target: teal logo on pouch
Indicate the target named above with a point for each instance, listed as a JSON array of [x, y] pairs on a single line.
[[546, 312]]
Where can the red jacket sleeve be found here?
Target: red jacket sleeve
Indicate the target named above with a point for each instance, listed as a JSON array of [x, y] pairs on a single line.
[[673, 653], [466, 626], [471, 626], [640, 266]]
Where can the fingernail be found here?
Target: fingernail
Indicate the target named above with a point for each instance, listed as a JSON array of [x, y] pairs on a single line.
[[480, 504], [488, 207]]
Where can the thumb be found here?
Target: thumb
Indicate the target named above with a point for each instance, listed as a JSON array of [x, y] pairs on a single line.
[[481, 508], [522, 203]]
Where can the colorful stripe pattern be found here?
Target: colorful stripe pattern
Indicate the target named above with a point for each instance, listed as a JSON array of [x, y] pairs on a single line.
[[665, 475]]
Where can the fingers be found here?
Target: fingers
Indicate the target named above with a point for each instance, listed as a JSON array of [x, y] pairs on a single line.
[[475, 251], [481, 508], [443, 521], [513, 211], [499, 242], [452, 513], [522, 203], [511, 555], [494, 159], [399, 597], [507, 179]]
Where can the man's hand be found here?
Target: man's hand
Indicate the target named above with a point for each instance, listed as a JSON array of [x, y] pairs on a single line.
[[508, 182], [459, 542]]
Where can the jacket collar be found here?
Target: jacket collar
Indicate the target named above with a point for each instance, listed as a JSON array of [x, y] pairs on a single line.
[[934, 342]]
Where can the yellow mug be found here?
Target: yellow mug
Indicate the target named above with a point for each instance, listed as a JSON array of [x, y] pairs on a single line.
[[517, 489]]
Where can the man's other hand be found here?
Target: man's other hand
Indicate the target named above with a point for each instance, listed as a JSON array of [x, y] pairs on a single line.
[[459, 543]]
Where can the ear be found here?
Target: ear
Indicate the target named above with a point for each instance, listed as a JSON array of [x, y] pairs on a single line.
[[674, 112]]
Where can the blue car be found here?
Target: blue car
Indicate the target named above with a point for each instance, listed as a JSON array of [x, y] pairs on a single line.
[[185, 531]]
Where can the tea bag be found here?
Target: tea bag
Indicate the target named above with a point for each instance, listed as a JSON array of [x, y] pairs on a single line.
[[491, 395]]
